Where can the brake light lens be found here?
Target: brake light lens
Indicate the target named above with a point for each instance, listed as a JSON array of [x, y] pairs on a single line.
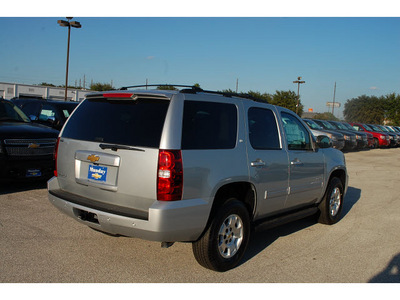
[[118, 95], [170, 175], [55, 157]]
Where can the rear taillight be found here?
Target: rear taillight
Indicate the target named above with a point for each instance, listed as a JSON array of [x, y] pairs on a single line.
[[55, 156], [170, 175]]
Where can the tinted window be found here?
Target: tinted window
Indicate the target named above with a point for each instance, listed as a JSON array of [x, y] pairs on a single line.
[[133, 123], [10, 112], [66, 108], [31, 109], [263, 132], [47, 112], [297, 136], [209, 125]]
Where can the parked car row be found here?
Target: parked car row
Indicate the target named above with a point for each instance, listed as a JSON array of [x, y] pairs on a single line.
[[355, 136], [27, 143]]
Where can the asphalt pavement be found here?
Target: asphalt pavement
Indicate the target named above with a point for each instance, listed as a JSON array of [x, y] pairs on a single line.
[[38, 244]]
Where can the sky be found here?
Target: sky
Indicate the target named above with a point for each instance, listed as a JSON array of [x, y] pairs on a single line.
[[263, 53]]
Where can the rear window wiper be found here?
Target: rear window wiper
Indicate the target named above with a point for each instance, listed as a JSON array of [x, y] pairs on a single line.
[[115, 147]]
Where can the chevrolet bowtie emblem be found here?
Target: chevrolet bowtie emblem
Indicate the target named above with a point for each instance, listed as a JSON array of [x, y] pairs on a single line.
[[33, 146], [97, 176], [93, 158]]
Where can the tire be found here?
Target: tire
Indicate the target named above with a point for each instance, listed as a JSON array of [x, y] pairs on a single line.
[[224, 243], [332, 204]]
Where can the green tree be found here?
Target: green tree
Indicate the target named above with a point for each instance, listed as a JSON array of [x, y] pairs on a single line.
[[392, 108], [325, 116], [167, 87], [46, 84], [263, 97], [101, 87], [365, 109], [287, 99]]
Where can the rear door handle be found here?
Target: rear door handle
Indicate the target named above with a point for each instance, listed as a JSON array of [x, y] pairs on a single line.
[[258, 163]]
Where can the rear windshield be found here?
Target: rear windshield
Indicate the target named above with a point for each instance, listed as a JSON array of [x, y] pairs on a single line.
[[132, 123], [67, 108]]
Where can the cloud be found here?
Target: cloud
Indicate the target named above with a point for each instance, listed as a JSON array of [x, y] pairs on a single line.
[[374, 88], [150, 57]]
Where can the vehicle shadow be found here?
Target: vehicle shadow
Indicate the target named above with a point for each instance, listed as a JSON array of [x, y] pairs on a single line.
[[391, 274], [261, 240], [15, 187]]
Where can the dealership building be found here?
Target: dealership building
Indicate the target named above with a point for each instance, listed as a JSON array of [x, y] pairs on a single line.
[[16, 90]]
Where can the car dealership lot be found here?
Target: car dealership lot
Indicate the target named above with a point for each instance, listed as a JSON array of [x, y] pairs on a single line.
[[40, 244]]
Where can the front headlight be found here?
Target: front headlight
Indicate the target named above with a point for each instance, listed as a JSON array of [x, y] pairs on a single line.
[[347, 138], [358, 137], [331, 136]]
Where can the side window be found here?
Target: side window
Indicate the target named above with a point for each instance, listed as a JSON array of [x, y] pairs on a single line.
[[47, 112], [297, 136], [209, 125], [263, 131]]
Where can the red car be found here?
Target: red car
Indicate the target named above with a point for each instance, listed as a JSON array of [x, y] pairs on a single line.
[[380, 139]]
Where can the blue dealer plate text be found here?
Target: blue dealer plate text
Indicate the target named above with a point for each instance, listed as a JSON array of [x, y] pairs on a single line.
[[97, 173]]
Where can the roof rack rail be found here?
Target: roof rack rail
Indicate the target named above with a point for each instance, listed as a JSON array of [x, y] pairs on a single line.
[[192, 89], [240, 95]]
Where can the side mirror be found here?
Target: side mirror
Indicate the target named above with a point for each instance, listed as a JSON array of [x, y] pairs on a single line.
[[324, 142]]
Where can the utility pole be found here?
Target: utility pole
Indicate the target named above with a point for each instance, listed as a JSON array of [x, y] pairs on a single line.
[[298, 81], [68, 24], [334, 95], [237, 84]]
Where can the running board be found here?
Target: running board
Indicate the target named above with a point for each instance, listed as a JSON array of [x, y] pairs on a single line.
[[284, 219]]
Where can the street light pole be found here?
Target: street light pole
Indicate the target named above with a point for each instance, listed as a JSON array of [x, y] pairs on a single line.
[[298, 81], [68, 24]]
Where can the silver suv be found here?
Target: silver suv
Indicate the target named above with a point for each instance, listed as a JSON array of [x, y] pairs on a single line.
[[193, 166]]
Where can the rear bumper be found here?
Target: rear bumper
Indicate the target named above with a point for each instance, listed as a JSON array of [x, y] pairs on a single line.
[[172, 221]]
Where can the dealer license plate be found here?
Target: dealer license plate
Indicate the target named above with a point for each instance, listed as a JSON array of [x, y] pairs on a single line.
[[97, 173], [33, 173]]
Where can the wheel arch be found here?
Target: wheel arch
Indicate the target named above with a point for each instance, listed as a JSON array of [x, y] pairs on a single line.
[[243, 191], [341, 174]]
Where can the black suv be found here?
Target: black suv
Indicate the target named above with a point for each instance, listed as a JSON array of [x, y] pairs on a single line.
[[26, 149], [51, 113]]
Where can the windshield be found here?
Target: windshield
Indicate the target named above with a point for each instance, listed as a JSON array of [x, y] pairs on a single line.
[[374, 128], [340, 126], [390, 129], [10, 112], [348, 126], [66, 108], [395, 129], [383, 129], [328, 125], [367, 128], [312, 125]]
